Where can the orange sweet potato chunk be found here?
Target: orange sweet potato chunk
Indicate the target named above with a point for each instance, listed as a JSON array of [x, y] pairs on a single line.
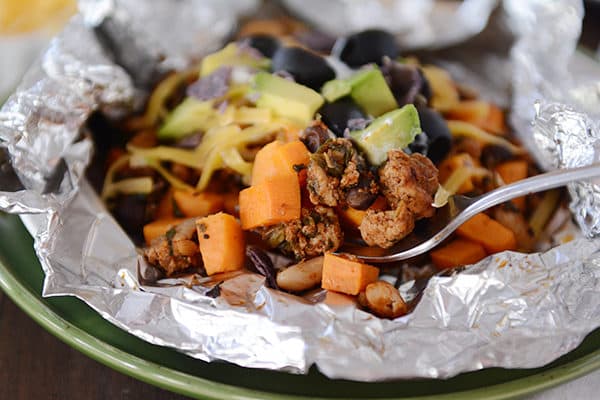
[[278, 159], [165, 209], [454, 162], [483, 114], [513, 171], [222, 243], [198, 204], [352, 218], [489, 233], [159, 227], [345, 275], [273, 201], [458, 252]]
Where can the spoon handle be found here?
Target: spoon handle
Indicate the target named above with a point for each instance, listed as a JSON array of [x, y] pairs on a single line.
[[538, 183]]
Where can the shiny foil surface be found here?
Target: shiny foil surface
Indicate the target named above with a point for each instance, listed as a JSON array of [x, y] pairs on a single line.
[[510, 310]]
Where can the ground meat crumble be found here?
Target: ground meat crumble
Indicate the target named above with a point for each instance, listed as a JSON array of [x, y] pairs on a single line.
[[409, 184], [410, 179], [316, 232], [177, 250], [336, 169]]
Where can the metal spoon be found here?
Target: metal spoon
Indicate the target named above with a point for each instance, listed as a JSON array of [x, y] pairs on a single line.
[[459, 209]]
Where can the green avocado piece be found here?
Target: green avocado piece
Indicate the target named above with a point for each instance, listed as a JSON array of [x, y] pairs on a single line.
[[286, 98], [367, 88], [372, 93], [187, 117], [393, 130], [231, 55], [336, 89]]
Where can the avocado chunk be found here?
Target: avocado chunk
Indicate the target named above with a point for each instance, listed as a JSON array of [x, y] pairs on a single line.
[[367, 88], [335, 89], [286, 98], [232, 55], [187, 117], [372, 93], [393, 130]]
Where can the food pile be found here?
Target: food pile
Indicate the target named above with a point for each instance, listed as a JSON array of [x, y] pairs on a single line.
[[277, 147]]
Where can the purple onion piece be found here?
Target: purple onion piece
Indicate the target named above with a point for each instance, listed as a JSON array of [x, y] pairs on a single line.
[[404, 80], [259, 261], [357, 124], [212, 86], [190, 142]]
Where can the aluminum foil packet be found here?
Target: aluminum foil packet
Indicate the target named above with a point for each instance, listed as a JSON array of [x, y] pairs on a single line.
[[510, 310]]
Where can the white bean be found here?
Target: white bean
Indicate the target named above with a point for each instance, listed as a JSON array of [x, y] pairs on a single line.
[[384, 300], [302, 276]]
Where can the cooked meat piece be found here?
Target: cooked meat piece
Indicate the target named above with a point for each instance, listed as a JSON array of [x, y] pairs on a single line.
[[317, 231], [334, 170], [177, 250], [322, 188], [384, 228], [409, 184], [410, 179]]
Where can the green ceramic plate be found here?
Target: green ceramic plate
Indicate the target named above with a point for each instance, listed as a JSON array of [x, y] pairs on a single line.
[[79, 326]]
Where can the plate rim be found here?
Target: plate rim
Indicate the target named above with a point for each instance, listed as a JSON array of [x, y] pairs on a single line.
[[197, 387]]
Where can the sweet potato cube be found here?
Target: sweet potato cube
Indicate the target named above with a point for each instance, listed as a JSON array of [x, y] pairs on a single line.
[[483, 114], [165, 209], [453, 163], [471, 111], [273, 201], [352, 218], [222, 243], [458, 252], [494, 122], [278, 159], [159, 227], [513, 171], [346, 275], [489, 233], [198, 204]]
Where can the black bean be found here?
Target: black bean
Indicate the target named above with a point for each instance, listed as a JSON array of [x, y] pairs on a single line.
[[494, 154], [360, 198], [266, 44], [368, 46], [215, 291], [314, 136], [307, 68], [149, 274], [425, 86], [406, 82], [337, 114], [130, 212], [419, 145], [259, 261], [438, 135]]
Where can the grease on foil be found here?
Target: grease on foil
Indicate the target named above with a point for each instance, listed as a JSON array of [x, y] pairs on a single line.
[[510, 310]]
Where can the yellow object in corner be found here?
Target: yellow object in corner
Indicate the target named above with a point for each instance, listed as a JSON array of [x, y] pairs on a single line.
[[24, 16]]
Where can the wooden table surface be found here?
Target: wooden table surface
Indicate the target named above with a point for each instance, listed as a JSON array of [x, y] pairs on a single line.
[[36, 365]]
